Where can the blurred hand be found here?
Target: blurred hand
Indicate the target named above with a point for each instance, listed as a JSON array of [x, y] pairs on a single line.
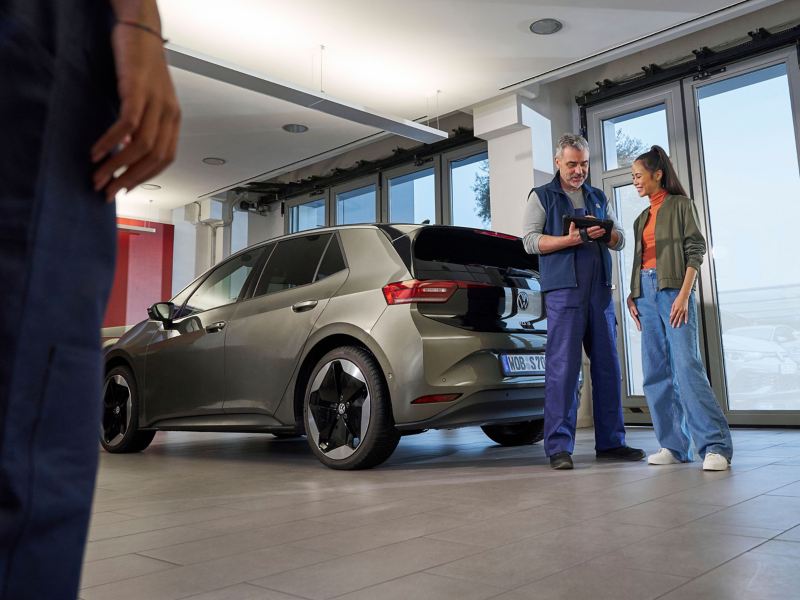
[[144, 138], [574, 235], [634, 312]]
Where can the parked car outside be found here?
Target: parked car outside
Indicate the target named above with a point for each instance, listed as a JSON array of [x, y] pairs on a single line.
[[761, 359], [352, 335]]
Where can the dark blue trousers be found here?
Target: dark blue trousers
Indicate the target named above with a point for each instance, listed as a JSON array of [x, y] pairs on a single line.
[[582, 317], [57, 243]]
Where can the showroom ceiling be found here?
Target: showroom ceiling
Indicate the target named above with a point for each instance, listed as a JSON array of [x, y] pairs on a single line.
[[416, 59]]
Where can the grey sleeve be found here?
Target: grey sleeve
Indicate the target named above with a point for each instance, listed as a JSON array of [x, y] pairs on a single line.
[[610, 212], [533, 224]]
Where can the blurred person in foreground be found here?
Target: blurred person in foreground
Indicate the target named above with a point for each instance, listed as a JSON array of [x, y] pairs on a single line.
[[90, 110]]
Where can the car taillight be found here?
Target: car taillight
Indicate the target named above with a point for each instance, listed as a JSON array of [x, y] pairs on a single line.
[[414, 290]]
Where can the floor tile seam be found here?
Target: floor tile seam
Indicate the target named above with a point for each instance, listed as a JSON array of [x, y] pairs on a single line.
[[261, 587], [515, 541], [317, 564], [719, 566], [212, 534], [430, 535], [89, 587], [194, 565], [159, 516], [169, 562], [192, 525], [670, 528], [424, 571], [588, 560]]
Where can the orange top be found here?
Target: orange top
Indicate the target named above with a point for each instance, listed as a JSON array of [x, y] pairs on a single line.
[[649, 232]]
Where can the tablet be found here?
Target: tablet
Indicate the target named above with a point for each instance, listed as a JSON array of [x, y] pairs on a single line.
[[586, 222]]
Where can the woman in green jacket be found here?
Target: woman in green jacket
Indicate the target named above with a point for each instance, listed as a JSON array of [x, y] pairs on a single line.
[[669, 252]]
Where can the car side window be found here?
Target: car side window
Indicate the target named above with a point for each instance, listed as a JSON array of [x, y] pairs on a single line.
[[293, 263], [332, 262], [224, 284]]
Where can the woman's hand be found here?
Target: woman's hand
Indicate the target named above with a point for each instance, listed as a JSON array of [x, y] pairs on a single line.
[[679, 313], [634, 312], [144, 138]]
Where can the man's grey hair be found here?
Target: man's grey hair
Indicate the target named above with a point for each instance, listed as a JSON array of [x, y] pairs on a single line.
[[571, 140]]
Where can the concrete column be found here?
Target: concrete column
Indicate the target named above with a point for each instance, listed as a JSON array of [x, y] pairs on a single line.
[[519, 140]]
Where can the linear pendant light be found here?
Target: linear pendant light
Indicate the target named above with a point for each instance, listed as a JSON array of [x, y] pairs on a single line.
[[206, 66]]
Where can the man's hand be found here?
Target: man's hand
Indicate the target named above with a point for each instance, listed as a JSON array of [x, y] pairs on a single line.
[[634, 312], [144, 138]]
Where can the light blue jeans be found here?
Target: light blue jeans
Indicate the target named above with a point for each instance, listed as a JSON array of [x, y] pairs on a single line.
[[682, 404]]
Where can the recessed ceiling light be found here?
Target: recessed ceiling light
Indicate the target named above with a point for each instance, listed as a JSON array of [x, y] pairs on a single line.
[[546, 26], [150, 186], [211, 160], [295, 128]]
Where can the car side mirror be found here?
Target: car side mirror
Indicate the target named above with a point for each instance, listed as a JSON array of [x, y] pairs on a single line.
[[163, 312]]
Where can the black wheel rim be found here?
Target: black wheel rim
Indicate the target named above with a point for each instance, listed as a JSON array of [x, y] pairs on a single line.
[[339, 407], [117, 410]]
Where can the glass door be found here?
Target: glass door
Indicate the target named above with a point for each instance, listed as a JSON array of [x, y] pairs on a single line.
[[745, 156], [625, 129]]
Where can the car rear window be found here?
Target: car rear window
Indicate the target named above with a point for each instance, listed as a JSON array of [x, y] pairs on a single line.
[[456, 253]]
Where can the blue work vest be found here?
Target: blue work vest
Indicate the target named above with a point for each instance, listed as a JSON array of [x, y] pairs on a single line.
[[558, 268]]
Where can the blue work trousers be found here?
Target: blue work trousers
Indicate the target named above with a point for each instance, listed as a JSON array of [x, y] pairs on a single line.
[[57, 246], [682, 404], [582, 317]]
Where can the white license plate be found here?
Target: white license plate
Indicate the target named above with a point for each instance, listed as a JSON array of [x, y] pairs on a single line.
[[522, 364]]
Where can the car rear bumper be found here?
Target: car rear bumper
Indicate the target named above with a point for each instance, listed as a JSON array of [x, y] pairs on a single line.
[[486, 407]]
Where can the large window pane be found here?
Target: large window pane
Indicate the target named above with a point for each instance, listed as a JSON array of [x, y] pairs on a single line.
[[469, 191], [629, 206], [412, 197], [753, 190], [309, 215], [627, 136], [356, 206]]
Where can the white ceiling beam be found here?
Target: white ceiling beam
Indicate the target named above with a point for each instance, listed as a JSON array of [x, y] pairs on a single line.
[[206, 66]]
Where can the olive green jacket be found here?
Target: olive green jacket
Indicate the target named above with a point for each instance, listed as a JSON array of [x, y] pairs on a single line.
[[679, 243]]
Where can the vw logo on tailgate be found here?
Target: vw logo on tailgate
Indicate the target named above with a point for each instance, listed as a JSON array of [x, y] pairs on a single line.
[[522, 301]]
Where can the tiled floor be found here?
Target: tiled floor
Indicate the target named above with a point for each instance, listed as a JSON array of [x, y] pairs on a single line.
[[451, 515]]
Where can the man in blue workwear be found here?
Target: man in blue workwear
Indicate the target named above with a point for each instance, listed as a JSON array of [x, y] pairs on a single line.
[[576, 278], [89, 109]]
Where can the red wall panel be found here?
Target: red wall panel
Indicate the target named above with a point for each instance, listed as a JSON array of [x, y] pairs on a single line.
[[144, 271]]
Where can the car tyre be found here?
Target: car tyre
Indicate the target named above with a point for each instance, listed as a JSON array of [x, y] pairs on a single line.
[[516, 434], [119, 428], [347, 411]]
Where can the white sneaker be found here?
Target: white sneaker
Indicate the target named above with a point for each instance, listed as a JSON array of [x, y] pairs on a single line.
[[715, 462], [662, 457]]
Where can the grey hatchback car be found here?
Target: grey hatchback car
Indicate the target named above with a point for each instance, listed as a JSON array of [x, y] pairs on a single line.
[[351, 335]]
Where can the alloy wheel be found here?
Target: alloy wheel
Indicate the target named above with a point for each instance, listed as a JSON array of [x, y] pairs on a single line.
[[339, 409], [117, 410]]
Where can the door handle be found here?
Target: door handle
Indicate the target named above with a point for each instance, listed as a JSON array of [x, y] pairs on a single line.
[[214, 327], [304, 306]]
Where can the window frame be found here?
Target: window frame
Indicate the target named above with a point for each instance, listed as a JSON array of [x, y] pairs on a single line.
[[409, 169], [352, 185], [447, 159], [306, 199]]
